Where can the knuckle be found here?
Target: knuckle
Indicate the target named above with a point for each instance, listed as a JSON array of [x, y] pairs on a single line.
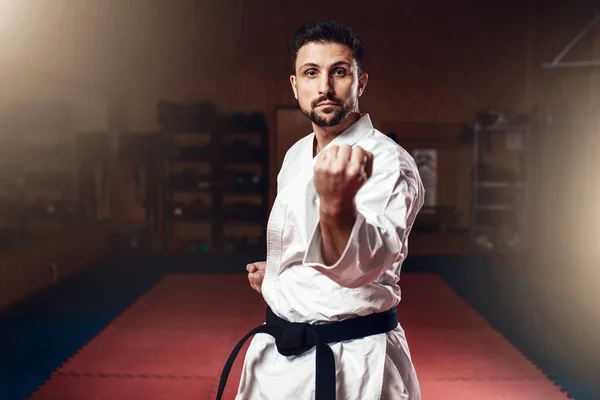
[[337, 168]]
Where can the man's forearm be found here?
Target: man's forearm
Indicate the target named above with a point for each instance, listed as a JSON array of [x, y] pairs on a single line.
[[336, 226]]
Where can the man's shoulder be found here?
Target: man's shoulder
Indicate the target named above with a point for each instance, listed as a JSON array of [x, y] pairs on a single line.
[[387, 154], [391, 157]]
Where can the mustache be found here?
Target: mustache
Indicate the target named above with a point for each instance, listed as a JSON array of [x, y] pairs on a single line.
[[331, 99]]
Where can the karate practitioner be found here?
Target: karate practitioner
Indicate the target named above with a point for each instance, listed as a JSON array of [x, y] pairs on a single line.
[[347, 197]]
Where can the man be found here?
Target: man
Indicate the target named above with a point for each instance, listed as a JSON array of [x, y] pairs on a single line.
[[347, 197]]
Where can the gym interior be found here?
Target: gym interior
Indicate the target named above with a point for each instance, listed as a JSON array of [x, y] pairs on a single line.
[[140, 144]]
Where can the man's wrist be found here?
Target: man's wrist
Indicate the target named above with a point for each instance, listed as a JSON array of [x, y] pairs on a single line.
[[338, 213]]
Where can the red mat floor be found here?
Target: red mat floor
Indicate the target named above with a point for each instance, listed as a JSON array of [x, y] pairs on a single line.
[[172, 343]]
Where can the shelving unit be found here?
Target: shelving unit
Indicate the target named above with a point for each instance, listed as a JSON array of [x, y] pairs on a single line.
[[498, 187], [243, 195], [190, 176], [216, 185]]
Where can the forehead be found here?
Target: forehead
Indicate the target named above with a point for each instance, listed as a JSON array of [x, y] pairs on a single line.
[[323, 54]]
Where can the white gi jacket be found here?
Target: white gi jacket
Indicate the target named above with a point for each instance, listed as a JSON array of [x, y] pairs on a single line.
[[300, 288]]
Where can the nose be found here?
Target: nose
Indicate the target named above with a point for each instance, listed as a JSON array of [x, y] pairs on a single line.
[[325, 87]]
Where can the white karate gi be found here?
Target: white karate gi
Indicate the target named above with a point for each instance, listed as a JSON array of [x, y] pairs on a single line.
[[300, 288]]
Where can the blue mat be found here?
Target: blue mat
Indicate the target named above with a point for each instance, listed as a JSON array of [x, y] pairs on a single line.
[[37, 335]]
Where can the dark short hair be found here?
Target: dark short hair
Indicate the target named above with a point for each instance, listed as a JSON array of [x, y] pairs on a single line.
[[328, 32]]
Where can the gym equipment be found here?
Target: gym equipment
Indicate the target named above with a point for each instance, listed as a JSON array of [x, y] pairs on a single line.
[[191, 180], [253, 122], [245, 181], [498, 193], [178, 210], [484, 242], [243, 211], [189, 211], [247, 145], [191, 153], [241, 151], [198, 209], [503, 242], [257, 122]]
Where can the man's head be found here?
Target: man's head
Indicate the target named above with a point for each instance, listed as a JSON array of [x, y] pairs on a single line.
[[328, 71]]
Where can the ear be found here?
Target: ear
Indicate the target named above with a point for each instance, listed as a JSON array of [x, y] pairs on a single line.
[[362, 83], [293, 83]]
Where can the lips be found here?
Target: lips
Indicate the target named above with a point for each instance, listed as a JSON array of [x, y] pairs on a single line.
[[326, 104]]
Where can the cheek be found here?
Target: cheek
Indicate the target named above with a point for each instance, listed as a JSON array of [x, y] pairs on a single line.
[[344, 86], [347, 92], [304, 97]]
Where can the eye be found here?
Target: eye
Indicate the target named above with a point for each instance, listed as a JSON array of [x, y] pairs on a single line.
[[310, 73], [340, 72]]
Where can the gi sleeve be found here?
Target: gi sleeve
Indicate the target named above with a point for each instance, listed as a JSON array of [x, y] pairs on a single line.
[[386, 207]]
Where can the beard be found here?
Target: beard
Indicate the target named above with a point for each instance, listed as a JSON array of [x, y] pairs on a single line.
[[330, 115]]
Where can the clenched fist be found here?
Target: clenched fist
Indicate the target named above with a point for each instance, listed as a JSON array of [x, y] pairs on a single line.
[[256, 274], [340, 171]]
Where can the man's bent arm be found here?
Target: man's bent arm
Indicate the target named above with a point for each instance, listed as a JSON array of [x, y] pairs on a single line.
[[336, 226], [377, 231]]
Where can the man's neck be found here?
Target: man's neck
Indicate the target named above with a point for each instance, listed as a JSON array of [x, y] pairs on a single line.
[[325, 135]]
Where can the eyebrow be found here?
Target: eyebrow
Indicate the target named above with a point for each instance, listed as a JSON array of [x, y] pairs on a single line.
[[346, 63]]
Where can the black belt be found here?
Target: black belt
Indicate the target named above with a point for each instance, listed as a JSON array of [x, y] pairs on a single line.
[[293, 338]]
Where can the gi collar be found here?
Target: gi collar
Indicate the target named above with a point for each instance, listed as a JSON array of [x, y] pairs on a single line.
[[353, 133]]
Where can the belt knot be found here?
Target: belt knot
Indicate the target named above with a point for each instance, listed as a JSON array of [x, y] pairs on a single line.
[[295, 339]]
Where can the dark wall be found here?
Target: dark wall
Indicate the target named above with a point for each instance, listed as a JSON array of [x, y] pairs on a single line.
[[428, 63]]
